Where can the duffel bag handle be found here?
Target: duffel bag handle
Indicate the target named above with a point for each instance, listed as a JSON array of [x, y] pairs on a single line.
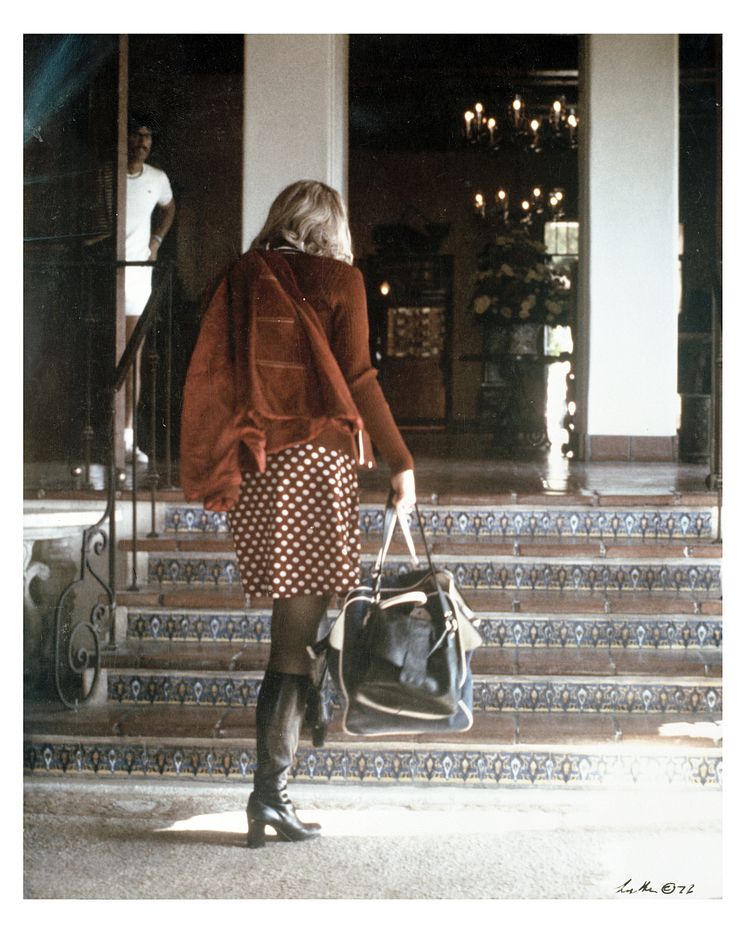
[[390, 519], [391, 516]]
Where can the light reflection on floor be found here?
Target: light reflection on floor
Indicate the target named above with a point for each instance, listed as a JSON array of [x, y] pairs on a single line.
[[378, 822], [536, 809]]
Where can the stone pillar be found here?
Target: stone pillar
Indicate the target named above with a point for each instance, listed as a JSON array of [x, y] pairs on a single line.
[[629, 250], [295, 118]]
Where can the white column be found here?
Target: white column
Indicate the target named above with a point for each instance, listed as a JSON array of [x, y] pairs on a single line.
[[630, 216], [295, 118]]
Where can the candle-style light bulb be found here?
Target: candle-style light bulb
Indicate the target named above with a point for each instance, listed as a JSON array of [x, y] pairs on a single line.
[[534, 125], [503, 207], [469, 117], [573, 121], [555, 115], [517, 111], [525, 205], [537, 192]]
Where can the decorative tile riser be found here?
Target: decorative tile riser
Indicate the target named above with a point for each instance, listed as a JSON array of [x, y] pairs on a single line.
[[521, 574], [334, 765], [498, 695], [496, 630], [507, 522]]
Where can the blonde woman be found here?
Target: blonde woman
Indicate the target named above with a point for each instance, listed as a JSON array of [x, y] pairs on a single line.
[[279, 401]]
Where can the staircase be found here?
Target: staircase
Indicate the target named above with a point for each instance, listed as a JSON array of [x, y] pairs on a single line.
[[601, 664]]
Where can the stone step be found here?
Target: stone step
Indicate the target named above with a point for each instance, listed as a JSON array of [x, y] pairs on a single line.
[[45, 722], [641, 693], [624, 518], [505, 630], [693, 576], [515, 749], [142, 655], [520, 602]]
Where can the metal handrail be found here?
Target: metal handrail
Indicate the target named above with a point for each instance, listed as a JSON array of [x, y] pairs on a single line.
[[80, 641]]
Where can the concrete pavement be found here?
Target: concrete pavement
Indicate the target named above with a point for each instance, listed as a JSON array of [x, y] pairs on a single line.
[[129, 839]]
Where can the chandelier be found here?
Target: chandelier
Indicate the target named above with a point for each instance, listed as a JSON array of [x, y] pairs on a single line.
[[537, 206], [557, 129]]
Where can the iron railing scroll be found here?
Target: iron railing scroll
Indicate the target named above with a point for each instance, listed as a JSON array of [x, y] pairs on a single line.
[[78, 641]]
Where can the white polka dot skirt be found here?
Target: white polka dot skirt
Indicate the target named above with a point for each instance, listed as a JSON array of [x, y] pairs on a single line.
[[296, 528]]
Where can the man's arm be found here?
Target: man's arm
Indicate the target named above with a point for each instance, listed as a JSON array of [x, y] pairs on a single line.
[[163, 217]]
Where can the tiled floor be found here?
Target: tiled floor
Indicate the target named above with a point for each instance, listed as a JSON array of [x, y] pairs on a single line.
[[457, 476]]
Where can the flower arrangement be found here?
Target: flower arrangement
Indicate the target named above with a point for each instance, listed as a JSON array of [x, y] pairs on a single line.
[[516, 285]]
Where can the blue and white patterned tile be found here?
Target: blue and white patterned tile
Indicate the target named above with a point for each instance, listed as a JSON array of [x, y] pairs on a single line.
[[183, 689], [556, 523], [560, 574], [381, 764], [188, 520], [198, 571], [631, 632], [492, 694], [502, 630], [560, 522], [576, 695], [244, 627], [528, 574]]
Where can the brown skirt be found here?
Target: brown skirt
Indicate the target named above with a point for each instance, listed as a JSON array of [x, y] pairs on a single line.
[[296, 527]]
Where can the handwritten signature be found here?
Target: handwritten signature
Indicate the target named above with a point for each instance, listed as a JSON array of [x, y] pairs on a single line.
[[647, 888]]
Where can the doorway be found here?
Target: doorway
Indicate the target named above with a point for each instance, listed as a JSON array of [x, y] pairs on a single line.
[[415, 182]]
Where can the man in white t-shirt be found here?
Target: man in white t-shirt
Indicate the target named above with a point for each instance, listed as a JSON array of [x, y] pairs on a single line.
[[150, 213]]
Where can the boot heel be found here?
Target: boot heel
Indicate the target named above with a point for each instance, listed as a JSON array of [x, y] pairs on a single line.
[[256, 838]]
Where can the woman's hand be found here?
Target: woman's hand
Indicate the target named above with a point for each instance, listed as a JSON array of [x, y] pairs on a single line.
[[402, 486]]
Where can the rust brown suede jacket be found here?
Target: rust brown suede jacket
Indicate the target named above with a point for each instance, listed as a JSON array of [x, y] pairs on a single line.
[[282, 358]]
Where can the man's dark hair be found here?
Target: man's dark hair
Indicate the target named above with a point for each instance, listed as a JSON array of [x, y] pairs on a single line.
[[136, 120]]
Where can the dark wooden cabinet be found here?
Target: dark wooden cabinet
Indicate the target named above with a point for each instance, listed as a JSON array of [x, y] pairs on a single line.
[[410, 308]]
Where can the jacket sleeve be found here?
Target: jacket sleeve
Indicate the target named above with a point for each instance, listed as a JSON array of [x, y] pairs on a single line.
[[349, 340], [211, 421]]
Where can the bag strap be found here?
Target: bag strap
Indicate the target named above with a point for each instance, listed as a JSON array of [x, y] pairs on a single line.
[[390, 519], [451, 623], [391, 516]]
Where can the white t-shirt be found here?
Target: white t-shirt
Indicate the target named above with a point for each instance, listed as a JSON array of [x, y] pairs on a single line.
[[143, 193]]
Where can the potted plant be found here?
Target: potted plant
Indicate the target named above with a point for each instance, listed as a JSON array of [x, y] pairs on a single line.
[[517, 290]]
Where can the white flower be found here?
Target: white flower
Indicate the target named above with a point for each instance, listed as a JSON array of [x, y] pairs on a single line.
[[482, 303]]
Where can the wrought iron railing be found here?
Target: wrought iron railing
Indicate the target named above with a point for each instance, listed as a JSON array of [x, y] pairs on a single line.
[[78, 636]]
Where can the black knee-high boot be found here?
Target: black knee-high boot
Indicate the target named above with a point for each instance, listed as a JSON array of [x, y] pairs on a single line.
[[280, 710]]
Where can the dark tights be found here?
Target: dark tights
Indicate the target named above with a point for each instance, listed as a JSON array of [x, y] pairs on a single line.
[[295, 624]]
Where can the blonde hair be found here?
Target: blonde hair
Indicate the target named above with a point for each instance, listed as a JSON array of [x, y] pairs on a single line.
[[310, 216]]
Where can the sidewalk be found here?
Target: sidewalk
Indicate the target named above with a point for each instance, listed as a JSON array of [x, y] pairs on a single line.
[[151, 839]]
